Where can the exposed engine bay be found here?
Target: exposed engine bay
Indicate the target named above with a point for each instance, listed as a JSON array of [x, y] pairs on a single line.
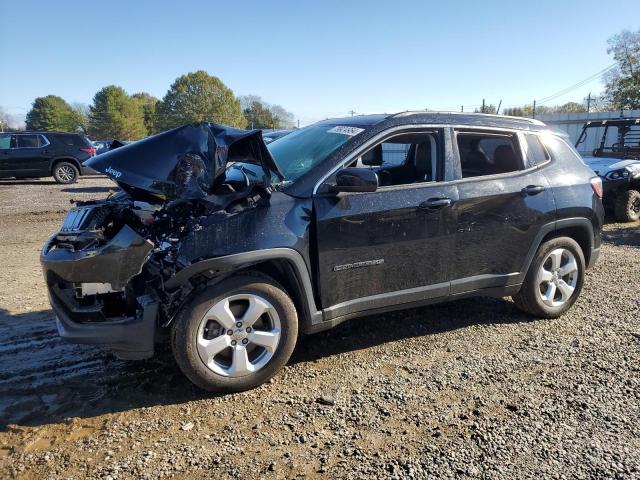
[[113, 257]]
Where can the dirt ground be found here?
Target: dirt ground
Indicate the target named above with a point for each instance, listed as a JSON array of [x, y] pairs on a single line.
[[467, 389]]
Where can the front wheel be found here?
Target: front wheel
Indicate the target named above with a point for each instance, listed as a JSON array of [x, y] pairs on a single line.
[[235, 335], [65, 172], [554, 280], [627, 206]]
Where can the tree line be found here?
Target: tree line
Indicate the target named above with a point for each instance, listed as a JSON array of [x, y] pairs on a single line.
[[193, 97]]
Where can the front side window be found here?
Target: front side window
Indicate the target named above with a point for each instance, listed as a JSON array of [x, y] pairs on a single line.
[[403, 159], [488, 153], [28, 141], [5, 141]]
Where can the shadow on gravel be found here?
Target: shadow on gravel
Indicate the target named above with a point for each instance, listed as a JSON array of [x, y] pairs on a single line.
[[89, 189], [44, 380], [623, 234], [367, 332], [34, 181]]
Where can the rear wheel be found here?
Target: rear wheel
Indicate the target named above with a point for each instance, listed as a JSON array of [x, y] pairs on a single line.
[[65, 172], [554, 280], [627, 206], [236, 335]]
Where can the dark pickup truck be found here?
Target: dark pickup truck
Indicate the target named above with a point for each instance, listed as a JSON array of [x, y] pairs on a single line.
[[229, 249]]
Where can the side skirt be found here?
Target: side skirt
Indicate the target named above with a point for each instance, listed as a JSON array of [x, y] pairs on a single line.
[[496, 292]]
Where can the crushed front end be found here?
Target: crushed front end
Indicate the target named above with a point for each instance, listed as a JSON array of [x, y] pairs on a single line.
[[107, 267]]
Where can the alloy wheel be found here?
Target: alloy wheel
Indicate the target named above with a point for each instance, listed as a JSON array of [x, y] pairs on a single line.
[[238, 335], [66, 173], [558, 277]]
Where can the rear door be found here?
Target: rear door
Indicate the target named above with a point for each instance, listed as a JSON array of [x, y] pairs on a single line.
[[391, 246], [30, 156], [504, 200]]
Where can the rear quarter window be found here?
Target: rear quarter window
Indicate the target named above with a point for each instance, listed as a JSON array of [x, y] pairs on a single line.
[[536, 153], [560, 150]]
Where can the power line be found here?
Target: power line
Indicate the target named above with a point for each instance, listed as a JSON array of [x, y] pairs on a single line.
[[581, 83]]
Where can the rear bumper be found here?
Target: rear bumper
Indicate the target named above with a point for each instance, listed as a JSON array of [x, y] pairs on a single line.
[[130, 338]]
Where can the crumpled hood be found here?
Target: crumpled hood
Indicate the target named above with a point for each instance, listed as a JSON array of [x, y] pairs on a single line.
[[186, 162], [603, 165]]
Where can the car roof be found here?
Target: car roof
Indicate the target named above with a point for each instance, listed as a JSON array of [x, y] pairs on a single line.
[[615, 121], [448, 118]]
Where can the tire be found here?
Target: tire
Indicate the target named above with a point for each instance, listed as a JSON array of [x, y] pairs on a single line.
[[627, 206], [65, 172], [548, 299], [195, 339]]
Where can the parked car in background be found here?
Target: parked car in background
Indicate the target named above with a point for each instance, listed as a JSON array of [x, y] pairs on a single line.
[[270, 135], [342, 219], [617, 161], [101, 146], [44, 154]]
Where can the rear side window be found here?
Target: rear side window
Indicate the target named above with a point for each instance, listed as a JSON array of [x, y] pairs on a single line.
[[28, 141], [488, 153], [536, 153]]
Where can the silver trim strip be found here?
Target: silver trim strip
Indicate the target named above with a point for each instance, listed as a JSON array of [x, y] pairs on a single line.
[[408, 129]]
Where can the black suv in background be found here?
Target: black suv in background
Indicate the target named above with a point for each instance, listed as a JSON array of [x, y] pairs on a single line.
[[44, 154], [230, 248]]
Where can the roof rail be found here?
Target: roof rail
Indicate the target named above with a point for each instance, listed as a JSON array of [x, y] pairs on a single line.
[[532, 121]]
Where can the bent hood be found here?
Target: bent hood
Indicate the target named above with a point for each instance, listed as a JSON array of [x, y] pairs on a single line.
[[186, 162]]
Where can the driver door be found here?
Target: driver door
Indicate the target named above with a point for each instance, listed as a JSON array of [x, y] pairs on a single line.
[[391, 246]]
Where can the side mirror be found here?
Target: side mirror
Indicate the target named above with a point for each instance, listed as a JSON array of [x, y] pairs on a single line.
[[354, 180]]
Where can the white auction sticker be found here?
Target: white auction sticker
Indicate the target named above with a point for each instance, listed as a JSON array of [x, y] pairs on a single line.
[[351, 131]]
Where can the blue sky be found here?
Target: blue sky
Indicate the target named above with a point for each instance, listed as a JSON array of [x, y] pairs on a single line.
[[317, 59]]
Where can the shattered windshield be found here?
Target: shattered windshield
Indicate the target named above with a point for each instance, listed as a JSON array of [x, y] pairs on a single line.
[[302, 149]]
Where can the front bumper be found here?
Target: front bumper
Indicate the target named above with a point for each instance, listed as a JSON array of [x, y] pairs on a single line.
[[128, 325], [130, 338]]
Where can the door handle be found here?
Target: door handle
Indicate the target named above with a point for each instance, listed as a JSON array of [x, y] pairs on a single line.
[[532, 190], [435, 203]]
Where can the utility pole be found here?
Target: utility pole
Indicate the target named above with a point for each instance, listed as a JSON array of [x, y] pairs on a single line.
[[589, 103], [498, 109], [461, 108], [352, 112], [482, 111], [534, 109]]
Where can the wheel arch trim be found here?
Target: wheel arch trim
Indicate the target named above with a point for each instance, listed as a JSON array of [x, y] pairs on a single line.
[[229, 263], [555, 227]]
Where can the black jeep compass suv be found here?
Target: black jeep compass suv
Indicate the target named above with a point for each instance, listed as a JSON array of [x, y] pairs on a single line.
[[231, 249], [44, 154]]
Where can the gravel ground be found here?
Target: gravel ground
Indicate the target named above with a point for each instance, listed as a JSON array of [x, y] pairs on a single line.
[[468, 389]]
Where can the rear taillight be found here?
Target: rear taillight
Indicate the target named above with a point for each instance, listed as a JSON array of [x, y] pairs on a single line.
[[89, 150], [596, 184]]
